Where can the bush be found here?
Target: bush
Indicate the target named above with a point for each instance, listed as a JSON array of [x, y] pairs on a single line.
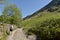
[[45, 27]]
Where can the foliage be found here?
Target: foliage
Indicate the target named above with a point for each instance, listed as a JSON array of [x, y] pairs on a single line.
[[4, 37], [12, 15], [45, 27]]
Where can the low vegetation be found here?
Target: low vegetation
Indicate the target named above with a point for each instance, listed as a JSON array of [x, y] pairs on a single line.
[[44, 23], [46, 27], [4, 37]]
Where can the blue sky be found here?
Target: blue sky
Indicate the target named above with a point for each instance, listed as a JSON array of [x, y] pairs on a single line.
[[27, 7]]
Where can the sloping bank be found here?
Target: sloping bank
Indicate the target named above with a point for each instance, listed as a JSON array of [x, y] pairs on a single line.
[[5, 30], [46, 27]]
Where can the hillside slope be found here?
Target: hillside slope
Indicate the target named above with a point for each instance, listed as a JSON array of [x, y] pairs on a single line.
[[44, 23], [53, 6]]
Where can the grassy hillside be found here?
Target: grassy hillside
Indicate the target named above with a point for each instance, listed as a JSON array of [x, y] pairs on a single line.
[[40, 19], [53, 6], [46, 26], [45, 23]]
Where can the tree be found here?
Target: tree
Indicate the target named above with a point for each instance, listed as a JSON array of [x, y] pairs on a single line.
[[12, 15]]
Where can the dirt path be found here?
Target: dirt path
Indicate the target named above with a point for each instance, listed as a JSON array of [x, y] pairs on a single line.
[[17, 35]]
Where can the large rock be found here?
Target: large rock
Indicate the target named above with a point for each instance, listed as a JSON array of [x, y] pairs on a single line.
[[32, 37]]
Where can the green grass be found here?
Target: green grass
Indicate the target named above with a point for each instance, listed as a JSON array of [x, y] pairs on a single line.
[[46, 25], [4, 37], [34, 21]]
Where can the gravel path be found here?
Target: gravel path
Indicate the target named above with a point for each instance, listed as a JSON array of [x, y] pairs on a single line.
[[17, 35]]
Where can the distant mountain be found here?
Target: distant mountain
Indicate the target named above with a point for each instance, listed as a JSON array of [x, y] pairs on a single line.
[[53, 6]]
